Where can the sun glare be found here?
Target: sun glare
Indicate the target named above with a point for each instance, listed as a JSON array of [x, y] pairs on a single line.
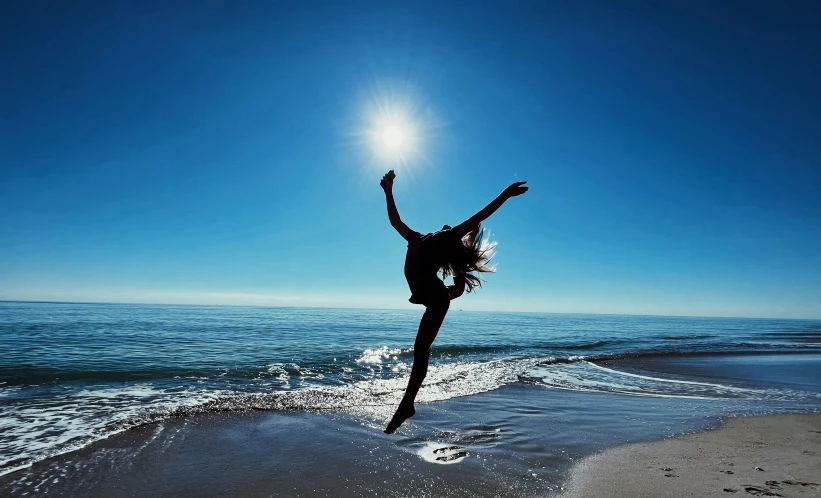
[[392, 136], [395, 128]]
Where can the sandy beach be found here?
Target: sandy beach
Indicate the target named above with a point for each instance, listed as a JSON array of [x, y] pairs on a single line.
[[777, 455]]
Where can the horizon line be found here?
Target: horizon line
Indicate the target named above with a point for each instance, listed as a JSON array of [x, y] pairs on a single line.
[[136, 303]]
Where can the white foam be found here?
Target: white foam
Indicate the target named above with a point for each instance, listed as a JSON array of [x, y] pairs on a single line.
[[47, 427], [657, 379], [452, 380], [588, 376]]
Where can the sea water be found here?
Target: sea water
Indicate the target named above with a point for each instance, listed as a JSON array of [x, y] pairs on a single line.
[[72, 374]]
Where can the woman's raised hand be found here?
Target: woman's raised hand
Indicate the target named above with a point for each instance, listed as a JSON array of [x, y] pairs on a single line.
[[515, 189], [387, 180]]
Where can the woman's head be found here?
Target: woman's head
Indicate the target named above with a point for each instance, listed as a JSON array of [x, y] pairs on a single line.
[[469, 256]]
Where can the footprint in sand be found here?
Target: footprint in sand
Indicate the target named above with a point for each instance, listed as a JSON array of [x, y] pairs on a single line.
[[453, 456], [446, 448], [759, 491], [668, 469], [437, 453], [801, 483]]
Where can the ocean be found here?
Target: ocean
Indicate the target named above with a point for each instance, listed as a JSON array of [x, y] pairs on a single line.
[[72, 375]]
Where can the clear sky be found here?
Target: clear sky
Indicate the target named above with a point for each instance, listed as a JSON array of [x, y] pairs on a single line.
[[205, 152]]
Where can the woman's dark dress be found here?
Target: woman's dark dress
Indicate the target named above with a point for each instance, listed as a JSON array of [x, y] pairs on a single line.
[[426, 255]]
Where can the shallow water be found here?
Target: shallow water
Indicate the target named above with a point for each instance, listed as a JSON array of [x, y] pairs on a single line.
[[71, 374]]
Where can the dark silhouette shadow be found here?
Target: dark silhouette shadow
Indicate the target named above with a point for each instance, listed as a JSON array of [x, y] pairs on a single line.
[[462, 253]]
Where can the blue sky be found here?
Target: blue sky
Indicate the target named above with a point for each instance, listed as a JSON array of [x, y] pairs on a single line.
[[210, 153]]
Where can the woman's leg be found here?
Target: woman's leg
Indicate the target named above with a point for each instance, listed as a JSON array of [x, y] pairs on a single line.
[[428, 328]]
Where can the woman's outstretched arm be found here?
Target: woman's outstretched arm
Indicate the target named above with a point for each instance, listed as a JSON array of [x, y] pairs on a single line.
[[393, 213], [471, 223]]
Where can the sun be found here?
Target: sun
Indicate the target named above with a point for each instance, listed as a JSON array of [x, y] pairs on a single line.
[[396, 127], [392, 136]]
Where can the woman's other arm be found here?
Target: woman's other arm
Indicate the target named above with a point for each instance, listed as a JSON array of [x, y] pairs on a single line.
[[471, 223]]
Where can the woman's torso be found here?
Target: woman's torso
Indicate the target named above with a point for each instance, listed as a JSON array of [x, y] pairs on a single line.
[[426, 255]]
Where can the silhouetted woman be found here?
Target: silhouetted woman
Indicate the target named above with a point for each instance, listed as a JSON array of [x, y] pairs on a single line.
[[458, 252]]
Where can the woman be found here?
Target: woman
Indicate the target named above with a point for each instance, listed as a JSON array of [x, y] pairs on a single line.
[[459, 252]]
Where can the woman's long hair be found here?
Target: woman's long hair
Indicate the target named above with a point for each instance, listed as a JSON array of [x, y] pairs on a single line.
[[470, 256]]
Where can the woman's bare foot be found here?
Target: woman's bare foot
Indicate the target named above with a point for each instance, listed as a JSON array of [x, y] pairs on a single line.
[[403, 413]]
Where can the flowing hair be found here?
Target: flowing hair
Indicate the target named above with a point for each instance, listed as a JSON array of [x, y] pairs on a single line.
[[470, 256]]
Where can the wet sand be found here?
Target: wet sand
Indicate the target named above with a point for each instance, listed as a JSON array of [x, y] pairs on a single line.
[[777, 455]]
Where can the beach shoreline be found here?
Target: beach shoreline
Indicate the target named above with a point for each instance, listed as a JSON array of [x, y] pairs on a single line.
[[769, 455], [519, 440]]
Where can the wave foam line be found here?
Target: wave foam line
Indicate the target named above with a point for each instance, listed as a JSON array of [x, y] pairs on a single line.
[[587, 376], [658, 379]]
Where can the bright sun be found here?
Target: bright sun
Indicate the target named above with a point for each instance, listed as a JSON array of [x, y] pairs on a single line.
[[396, 128], [392, 136]]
